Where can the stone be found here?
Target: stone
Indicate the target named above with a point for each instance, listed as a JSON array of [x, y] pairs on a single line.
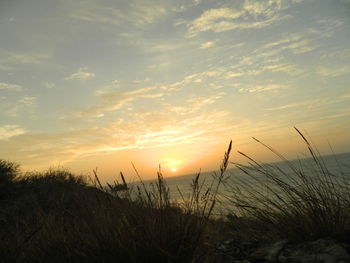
[[275, 250], [321, 251], [283, 251]]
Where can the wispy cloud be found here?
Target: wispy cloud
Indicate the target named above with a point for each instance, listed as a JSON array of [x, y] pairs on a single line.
[[23, 104], [232, 74], [339, 54], [251, 14], [334, 71], [287, 68], [8, 86], [8, 131], [9, 59], [82, 74], [207, 44], [195, 104], [112, 98], [146, 130], [135, 13], [262, 88], [217, 20], [290, 105], [313, 103], [48, 84], [297, 43]]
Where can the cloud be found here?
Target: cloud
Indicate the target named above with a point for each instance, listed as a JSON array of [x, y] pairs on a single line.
[[164, 46], [301, 46], [287, 39], [48, 85], [232, 74], [287, 68], [290, 105], [27, 100], [8, 131], [313, 103], [252, 14], [331, 23], [261, 88], [160, 66], [146, 12], [9, 59], [142, 130], [217, 20], [333, 72], [267, 8], [209, 19], [170, 128], [97, 14], [182, 6], [134, 13], [112, 98], [82, 74], [195, 104], [238, 45], [342, 54], [138, 81], [207, 44], [8, 86], [23, 104], [297, 43]]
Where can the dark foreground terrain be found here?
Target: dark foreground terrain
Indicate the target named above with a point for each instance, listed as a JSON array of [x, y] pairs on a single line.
[[55, 216]]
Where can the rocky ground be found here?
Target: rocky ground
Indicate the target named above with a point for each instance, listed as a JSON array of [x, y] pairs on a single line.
[[322, 251]]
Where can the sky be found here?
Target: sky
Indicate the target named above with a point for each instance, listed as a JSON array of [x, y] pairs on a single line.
[[89, 83]]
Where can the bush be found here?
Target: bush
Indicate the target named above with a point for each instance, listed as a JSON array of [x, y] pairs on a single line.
[[8, 171], [60, 217]]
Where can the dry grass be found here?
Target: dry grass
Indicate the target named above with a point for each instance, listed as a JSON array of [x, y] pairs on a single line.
[[58, 216], [65, 218], [300, 202]]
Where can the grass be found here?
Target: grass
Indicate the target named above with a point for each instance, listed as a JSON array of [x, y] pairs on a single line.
[[62, 217], [300, 202], [59, 216]]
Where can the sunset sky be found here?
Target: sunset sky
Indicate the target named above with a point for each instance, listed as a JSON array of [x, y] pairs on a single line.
[[89, 83]]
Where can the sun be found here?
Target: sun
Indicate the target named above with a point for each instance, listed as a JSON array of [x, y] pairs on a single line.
[[171, 164]]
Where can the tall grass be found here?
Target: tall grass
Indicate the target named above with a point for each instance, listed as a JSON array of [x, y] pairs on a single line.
[[300, 202], [58, 216]]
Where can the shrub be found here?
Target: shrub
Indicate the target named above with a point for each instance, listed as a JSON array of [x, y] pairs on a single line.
[[60, 217], [8, 171]]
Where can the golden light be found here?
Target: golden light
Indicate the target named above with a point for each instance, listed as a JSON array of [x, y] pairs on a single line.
[[171, 164]]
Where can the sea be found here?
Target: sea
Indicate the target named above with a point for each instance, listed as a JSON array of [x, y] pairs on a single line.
[[235, 180]]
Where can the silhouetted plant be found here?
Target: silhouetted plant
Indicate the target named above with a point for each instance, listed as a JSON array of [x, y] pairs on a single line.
[[58, 216], [300, 202], [8, 171]]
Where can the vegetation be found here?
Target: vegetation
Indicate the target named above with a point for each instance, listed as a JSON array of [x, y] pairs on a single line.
[[67, 218], [299, 202], [58, 216]]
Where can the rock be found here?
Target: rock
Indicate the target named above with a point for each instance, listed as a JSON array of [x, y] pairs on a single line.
[[275, 250], [283, 251], [234, 251], [322, 251]]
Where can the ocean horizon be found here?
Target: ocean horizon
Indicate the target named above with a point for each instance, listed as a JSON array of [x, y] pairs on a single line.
[[180, 186]]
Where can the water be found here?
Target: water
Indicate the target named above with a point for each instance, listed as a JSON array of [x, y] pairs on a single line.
[[338, 164]]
